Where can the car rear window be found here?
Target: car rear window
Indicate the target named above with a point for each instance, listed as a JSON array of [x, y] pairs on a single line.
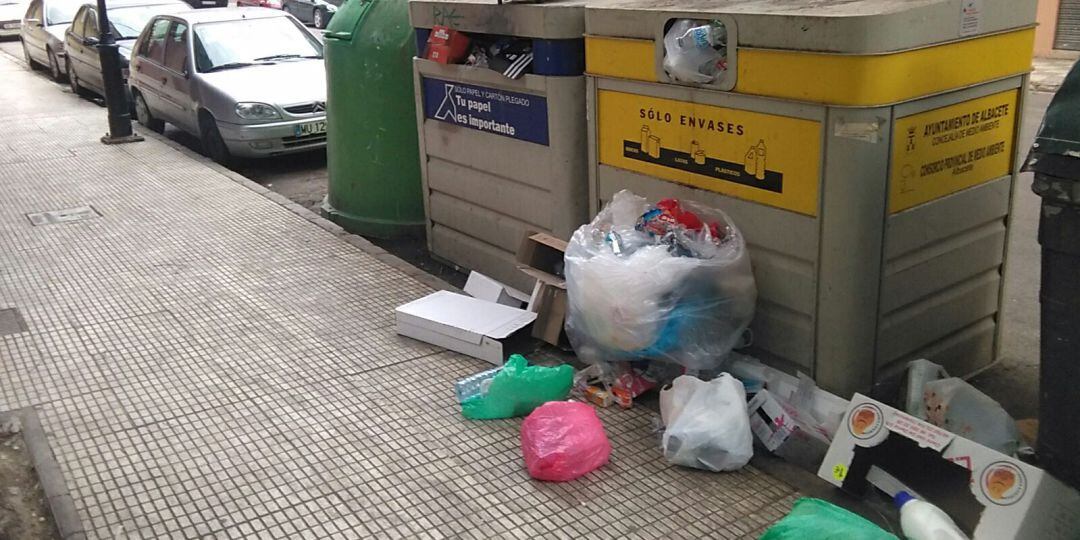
[[128, 22]]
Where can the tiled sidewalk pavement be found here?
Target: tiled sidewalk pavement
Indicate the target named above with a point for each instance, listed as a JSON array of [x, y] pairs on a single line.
[[208, 362]]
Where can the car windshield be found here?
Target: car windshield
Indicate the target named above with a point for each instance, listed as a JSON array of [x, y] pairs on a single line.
[[247, 42], [61, 12], [128, 22]]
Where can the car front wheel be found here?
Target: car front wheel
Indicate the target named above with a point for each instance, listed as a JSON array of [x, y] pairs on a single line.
[[213, 144], [142, 114], [319, 19]]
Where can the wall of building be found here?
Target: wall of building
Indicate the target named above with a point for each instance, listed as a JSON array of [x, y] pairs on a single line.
[[1046, 16]]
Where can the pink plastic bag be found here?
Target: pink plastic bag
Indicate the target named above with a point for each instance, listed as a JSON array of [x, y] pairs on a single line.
[[563, 440]]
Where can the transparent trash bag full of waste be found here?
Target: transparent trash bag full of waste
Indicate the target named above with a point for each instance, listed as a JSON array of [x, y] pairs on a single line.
[[645, 285]]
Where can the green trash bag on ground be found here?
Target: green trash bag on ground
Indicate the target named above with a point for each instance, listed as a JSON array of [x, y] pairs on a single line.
[[815, 519], [518, 389]]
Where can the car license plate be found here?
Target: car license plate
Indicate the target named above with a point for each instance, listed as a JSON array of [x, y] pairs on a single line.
[[11, 26], [311, 128]]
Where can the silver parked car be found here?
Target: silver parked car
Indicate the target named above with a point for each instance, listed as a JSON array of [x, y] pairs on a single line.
[[127, 18], [42, 34], [11, 14], [248, 81]]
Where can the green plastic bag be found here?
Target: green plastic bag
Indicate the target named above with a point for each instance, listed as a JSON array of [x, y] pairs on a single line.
[[815, 519], [518, 389]]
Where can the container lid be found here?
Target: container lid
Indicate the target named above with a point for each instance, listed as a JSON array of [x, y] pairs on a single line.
[[551, 19], [841, 26], [346, 20], [902, 498], [1056, 151]]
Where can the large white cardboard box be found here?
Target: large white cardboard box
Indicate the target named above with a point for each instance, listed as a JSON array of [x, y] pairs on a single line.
[[988, 494], [462, 323]]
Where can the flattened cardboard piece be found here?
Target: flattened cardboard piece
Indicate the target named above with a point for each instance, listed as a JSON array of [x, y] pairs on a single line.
[[541, 256], [550, 306], [487, 288], [781, 433], [461, 323], [988, 494]]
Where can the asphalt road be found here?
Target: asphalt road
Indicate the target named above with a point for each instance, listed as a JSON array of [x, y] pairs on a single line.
[[1013, 380]]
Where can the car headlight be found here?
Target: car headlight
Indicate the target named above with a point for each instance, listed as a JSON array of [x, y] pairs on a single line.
[[331, 8], [256, 111]]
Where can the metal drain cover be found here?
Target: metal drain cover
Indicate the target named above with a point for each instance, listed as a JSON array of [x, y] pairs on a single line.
[[11, 322], [67, 215]]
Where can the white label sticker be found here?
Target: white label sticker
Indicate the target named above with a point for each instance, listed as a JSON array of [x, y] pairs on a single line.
[[971, 17], [927, 435]]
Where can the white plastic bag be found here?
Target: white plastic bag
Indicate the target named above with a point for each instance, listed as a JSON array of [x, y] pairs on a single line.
[[920, 372], [707, 424], [960, 408], [633, 297], [685, 59]]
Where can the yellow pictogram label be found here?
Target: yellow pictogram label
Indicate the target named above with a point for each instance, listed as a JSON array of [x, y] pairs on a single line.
[[940, 152], [769, 159], [839, 472]]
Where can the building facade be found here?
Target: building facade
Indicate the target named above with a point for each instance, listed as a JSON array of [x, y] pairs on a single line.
[[1058, 34]]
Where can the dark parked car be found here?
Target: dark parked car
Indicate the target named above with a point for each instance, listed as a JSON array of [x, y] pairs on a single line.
[[128, 17], [313, 12], [208, 3], [272, 4]]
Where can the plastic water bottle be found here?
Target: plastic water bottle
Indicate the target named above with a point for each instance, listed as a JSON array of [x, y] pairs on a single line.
[[703, 37], [921, 520]]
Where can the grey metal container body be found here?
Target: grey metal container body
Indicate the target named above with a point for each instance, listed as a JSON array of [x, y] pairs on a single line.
[[854, 292], [483, 191]]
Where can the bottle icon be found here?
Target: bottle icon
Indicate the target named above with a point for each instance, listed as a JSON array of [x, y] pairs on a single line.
[[754, 162], [760, 153]]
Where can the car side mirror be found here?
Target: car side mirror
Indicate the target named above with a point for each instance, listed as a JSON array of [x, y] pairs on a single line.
[[33, 22], [90, 41]]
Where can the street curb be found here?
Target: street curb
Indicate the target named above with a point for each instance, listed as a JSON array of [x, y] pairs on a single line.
[[49, 474], [357, 241]]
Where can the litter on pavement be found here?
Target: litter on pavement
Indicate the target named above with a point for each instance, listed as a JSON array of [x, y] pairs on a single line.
[[657, 297], [563, 440], [987, 494], [517, 389], [706, 424], [815, 518], [461, 323], [667, 281]]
